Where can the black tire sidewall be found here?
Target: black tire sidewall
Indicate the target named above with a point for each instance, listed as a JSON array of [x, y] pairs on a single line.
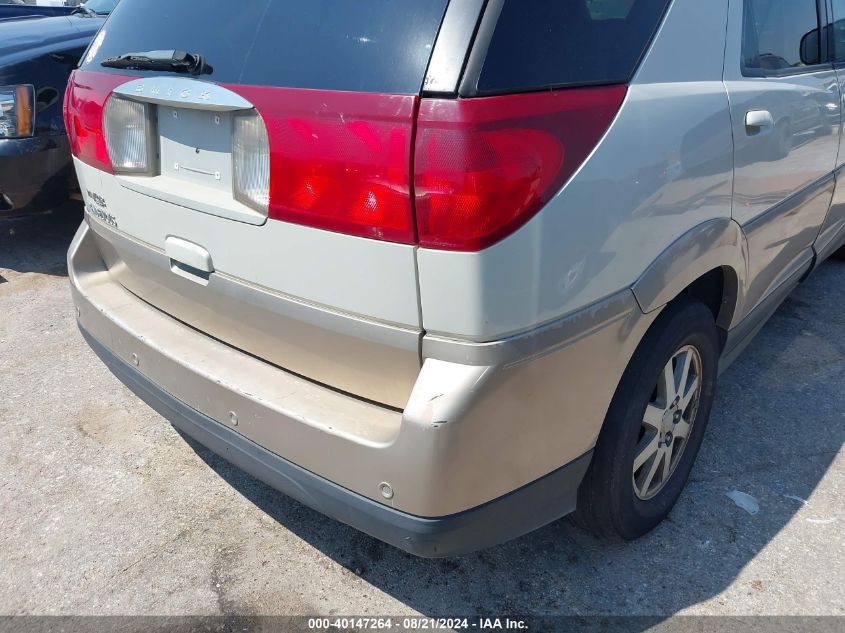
[[685, 323]]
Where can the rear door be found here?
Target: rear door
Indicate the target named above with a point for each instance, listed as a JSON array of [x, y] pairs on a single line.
[[833, 230], [785, 116], [306, 261]]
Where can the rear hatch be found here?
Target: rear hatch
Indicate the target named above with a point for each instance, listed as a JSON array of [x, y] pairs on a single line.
[[264, 197]]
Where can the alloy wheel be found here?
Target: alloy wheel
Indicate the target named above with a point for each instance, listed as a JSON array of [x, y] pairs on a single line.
[[667, 422]]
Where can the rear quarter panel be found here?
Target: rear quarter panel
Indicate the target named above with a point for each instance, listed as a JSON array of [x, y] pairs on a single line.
[[663, 168]]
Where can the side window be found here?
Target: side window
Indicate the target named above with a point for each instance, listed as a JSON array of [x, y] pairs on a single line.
[[780, 36], [837, 31], [545, 44]]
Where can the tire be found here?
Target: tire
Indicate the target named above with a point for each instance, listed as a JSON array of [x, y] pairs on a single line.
[[614, 500], [840, 254]]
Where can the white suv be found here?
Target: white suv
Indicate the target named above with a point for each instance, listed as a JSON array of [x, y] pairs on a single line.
[[448, 270]]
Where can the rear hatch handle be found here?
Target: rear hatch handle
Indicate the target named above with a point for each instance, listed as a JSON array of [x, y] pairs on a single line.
[[188, 260]]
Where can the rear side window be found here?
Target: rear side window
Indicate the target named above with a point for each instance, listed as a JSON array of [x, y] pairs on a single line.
[[780, 37], [837, 31], [354, 45], [539, 44]]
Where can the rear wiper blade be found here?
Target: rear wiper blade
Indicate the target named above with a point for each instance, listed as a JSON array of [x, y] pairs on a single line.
[[170, 61]]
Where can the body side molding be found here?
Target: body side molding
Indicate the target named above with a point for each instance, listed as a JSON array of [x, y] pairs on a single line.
[[536, 342]]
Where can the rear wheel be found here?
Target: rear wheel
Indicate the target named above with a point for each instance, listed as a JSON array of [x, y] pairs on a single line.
[[654, 426]]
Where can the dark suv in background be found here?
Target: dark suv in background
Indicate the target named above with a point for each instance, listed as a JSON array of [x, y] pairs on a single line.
[[39, 46]]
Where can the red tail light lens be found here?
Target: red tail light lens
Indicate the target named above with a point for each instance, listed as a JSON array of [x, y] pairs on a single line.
[[85, 98], [339, 161], [485, 166]]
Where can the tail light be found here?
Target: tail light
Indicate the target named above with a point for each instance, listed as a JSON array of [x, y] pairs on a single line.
[[451, 174], [339, 161], [85, 99], [128, 130], [485, 166], [251, 161]]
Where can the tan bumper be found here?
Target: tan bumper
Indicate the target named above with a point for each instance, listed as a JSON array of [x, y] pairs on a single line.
[[468, 435]]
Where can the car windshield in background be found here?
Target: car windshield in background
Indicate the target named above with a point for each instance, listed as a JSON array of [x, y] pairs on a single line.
[[353, 45], [101, 7]]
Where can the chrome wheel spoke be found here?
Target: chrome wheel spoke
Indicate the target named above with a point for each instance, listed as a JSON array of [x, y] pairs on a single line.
[[650, 448], [653, 417], [667, 463], [667, 389], [689, 394], [682, 429], [684, 364], [652, 471]]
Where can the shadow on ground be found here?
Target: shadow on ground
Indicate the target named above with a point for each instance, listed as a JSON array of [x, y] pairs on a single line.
[[775, 430], [38, 243]]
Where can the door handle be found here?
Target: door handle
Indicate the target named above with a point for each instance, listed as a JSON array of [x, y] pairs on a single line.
[[757, 121]]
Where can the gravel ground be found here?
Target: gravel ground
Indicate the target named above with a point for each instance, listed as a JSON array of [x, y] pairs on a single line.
[[107, 510]]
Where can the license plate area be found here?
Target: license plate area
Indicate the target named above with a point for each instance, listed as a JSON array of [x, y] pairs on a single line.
[[196, 146], [194, 163]]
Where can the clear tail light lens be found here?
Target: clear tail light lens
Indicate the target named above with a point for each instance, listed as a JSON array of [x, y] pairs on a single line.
[[128, 134], [485, 166], [251, 161]]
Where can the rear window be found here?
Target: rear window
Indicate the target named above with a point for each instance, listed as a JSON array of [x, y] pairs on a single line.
[[540, 44], [354, 45]]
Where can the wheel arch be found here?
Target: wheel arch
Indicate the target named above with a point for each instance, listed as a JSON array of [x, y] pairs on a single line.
[[709, 263]]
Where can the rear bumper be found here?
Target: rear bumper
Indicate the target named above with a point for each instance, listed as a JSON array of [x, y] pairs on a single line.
[[492, 443], [500, 520], [34, 173]]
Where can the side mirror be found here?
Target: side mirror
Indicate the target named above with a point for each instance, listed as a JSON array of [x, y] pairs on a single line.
[[810, 50]]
